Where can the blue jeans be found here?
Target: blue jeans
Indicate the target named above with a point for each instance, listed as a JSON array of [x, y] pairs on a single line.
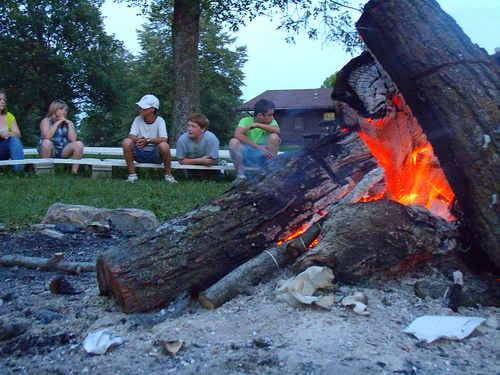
[[252, 157], [12, 148], [147, 156]]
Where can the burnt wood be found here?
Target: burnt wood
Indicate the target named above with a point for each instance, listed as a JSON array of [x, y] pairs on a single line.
[[453, 88], [361, 240], [193, 251]]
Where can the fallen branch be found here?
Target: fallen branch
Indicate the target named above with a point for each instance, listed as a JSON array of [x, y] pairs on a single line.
[[253, 271], [54, 263]]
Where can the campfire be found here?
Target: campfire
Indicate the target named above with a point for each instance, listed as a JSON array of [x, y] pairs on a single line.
[[380, 191]]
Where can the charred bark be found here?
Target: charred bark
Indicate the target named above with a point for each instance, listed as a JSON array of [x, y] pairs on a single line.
[[360, 240], [453, 88], [197, 249]]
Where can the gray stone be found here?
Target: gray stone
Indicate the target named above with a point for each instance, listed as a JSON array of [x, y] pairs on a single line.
[[122, 219]]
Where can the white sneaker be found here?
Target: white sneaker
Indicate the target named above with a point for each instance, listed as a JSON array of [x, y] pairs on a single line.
[[240, 178], [169, 178], [132, 177]]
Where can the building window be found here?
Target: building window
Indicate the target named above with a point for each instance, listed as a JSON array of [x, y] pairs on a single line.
[[328, 116], [299, 124]]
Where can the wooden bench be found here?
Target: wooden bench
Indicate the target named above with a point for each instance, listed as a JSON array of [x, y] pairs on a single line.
[[103, 159]]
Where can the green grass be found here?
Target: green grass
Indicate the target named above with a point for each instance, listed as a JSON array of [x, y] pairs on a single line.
[[24, 199]]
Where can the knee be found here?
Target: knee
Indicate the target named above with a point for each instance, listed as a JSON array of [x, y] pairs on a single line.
[[234, 144], [164, 148], [15, 141], [46, 144], [273, 139], [127, 143], [79, 146]]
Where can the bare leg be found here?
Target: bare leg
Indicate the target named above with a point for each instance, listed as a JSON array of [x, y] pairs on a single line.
[[166, 156], [235, 153], [127, 146], [75, 150], [273, 143], [47, 149]]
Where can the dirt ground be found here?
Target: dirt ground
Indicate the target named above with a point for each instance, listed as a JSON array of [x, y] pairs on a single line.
[[42, 332]]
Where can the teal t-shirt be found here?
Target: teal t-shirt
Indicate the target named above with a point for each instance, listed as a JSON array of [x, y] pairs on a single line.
[[256, 135]]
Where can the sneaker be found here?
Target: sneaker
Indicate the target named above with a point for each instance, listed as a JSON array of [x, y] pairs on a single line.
[[169, 178], [240, 178], [132, 177]]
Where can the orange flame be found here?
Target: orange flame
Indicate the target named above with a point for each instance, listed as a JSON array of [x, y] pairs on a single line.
[[420, 180]]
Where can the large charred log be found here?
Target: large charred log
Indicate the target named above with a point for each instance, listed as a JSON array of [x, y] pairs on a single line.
[[453, 88], [360, 240], [197, 249]]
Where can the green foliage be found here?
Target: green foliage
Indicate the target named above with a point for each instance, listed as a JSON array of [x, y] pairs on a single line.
[[329, 82], [26, 198], [221, 74], [58, 49]]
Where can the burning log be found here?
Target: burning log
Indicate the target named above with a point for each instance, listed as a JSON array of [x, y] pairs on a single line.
[[453, 88], [197, 249], [257, 268], [367, 101], [362, 239], [254, 271]]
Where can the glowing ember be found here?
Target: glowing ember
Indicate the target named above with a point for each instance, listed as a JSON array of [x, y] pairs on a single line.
[[417, 180]]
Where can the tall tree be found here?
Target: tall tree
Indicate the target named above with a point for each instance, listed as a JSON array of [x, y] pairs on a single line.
[[220, 69], [56, 49], [335, 25]]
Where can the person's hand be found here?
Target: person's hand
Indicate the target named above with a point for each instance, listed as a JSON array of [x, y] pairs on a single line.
[[207, 160], [141, 142], [5, 135], [265, 151], [61, 121], [249, 127]]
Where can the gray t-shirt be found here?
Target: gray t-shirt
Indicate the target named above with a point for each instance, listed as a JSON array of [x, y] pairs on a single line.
[[209, 145]]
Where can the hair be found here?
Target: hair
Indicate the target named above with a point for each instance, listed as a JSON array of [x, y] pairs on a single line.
[[199, 119], [54, 106], [4, 111], [263, 106]]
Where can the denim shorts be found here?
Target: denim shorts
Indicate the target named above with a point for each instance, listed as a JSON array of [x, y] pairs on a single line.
[[252, 157], [148, 154]]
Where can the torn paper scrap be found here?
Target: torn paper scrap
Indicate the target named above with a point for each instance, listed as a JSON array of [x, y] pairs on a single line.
[[99, 342], [358, 302], [301, 288], [434, 327]]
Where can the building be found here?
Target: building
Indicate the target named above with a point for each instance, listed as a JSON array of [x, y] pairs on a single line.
[[298, 112]]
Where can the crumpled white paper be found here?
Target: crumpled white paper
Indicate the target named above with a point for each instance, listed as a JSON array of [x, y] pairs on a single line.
[[434, 327], [100, 341], [300, 289]]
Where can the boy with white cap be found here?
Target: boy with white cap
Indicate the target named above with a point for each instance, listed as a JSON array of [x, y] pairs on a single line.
[[147, 139]]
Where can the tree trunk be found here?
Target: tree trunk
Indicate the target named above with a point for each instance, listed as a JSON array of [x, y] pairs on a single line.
[[453, 88], [195, 250], [185, 74]]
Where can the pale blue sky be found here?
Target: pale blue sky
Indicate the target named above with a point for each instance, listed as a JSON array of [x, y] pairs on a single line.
[[273, 64]]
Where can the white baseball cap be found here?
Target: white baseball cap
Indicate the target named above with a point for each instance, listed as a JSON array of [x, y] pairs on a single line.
[[148, 101]]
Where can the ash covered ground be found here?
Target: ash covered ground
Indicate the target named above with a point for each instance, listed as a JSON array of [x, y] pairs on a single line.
[[42, 332]]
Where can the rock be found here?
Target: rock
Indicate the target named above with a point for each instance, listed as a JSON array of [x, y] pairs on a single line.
[[122, 219]]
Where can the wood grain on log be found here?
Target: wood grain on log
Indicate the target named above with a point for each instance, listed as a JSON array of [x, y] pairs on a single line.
[[363, 239], [197, 249], [453, 88]]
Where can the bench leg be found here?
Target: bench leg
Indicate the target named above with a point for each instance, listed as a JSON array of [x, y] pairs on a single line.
[[44, 169], [102, 171]]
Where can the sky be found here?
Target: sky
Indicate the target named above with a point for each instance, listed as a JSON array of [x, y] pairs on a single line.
[[274, 64]]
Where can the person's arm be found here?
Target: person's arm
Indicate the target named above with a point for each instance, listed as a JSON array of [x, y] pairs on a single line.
[[240, 135], [71, 131], [268, 128], [204, 160], [48, 131], [14, 131]]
